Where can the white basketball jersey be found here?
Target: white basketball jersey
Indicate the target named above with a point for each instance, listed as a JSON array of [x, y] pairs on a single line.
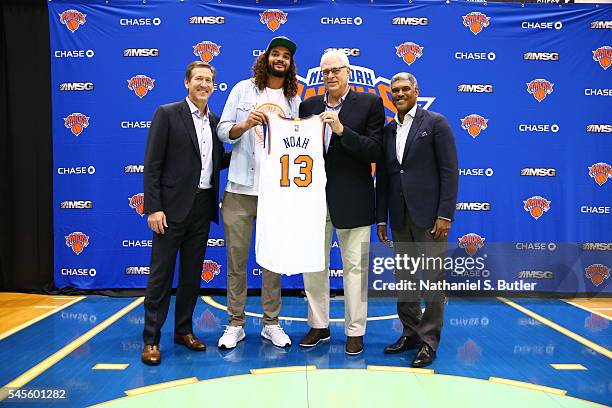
[[291, 208]]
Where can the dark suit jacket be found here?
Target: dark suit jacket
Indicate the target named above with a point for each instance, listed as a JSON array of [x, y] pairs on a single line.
[[426, 180], [350, 188], [173, 164]]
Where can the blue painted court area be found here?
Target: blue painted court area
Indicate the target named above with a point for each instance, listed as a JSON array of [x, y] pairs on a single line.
[[481, 338]]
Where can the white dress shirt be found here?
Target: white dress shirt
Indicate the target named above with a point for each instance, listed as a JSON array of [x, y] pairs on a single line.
[[401, 134], [204, 133]]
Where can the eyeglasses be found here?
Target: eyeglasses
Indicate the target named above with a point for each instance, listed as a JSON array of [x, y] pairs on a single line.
[[334, 71]]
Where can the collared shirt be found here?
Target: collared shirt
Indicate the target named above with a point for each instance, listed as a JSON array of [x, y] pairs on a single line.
[[401, 134], [241, 100], [204, 133], [273, 97], [328, 131]]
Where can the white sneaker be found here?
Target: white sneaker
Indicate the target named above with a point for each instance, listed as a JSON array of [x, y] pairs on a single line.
[[231, 336], [276, 335]]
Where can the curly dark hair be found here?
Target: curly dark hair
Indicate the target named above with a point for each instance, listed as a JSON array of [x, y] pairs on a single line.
[[260, 73]]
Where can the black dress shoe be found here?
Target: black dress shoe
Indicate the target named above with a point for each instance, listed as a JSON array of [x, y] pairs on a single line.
[[190, 341], [424, 357], [314, 337], [354, 345], [402, 344]]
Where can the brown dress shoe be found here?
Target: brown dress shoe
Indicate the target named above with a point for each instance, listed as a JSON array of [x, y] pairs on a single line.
[[354, 345], [314, 337], [151, 354], [190, 341]]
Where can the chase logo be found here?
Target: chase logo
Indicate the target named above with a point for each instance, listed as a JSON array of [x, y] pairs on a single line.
[[542, 128], [76, 170], [135, 124], [488, 172], [342, 20], [475, 56], [598, 92], [79, 272], [73, 53], [542, 25], [140, 21]]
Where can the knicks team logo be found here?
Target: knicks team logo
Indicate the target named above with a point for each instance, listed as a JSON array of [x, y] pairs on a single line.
[[206, 50], [137, 203], [596, 323], [476, 21], [207, 321], [603, 55], [597, 273], [76, 122], [540, 88], [474, 124], [210, 269], [361, 79], [273, 18], [470, 352], [72, 19], [268, 108], [471, 243], [536, 206], [77, 241], [601, 172], [141, 85], [409, 52]]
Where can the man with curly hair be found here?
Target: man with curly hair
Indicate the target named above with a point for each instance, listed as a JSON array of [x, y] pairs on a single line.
[[273, 88]]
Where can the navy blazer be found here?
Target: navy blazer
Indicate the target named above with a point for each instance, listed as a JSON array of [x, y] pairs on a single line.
[[173, 164], [426, 181], [350, 187]]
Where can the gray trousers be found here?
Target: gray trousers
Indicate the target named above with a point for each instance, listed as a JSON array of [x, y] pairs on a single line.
[[427, 326], [239, 212]]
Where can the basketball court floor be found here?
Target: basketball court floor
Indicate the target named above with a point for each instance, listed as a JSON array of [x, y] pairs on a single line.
[[495, 352]]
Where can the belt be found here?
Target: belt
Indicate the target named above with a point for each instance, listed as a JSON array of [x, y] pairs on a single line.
[[203, 190]]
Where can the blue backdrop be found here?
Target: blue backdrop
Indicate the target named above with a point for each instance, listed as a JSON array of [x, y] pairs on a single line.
[[526, 88]]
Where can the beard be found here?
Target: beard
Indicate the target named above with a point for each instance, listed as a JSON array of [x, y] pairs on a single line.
[[276, 72]]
